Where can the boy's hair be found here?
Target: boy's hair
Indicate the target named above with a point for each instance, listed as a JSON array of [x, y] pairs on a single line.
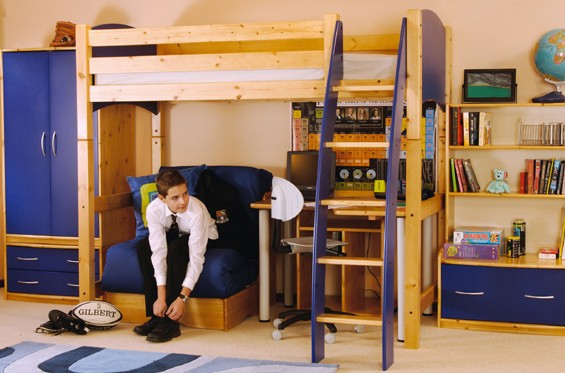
[[167, 179]]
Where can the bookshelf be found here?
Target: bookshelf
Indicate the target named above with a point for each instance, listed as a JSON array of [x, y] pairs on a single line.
[[509, 294]]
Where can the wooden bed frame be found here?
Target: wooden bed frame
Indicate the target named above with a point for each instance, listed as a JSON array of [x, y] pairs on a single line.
[[281, 45]]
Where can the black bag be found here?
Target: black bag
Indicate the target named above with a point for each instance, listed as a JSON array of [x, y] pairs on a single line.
[[235, 228]]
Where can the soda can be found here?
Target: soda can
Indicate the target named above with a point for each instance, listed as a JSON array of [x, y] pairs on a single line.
[[519, 229], [513, 246]]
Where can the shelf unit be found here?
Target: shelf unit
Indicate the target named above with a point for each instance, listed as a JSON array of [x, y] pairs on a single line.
[[508, 294]]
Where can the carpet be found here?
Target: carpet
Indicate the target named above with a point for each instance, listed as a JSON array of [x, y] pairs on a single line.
[[46, 357]]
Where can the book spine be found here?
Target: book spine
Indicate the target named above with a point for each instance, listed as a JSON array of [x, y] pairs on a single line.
[[453, 175], [471, 176], [466, 128], [554, 176], [461, 174], [453, 129], [537, 169], [530, 176]]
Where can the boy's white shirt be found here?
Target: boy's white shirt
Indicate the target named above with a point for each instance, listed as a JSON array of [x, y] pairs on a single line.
[[195, 221]]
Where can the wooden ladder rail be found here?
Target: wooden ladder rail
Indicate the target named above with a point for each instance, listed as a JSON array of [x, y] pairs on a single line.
[[335, 74]]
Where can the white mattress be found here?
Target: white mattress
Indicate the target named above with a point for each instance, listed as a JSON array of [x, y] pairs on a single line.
[[356, 67]]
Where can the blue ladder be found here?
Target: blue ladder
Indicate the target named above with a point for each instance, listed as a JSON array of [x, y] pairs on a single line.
[[333, 87]]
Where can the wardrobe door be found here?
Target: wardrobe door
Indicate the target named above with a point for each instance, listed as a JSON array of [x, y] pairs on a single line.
[[63, 143], [26, 143]]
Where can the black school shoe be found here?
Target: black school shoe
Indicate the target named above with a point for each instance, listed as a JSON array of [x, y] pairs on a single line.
[[59, 319], [147, 327], [165, 330]]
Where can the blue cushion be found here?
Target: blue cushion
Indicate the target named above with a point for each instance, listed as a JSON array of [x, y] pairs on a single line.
[[225, 271], [191, 174]]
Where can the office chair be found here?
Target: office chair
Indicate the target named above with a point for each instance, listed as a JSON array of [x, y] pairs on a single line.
[[286, 203], [286, 318]]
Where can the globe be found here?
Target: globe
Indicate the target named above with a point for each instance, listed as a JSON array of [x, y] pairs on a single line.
[[549, 59]]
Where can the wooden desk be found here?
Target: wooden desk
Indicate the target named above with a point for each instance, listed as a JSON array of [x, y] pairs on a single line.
[[372, 213]]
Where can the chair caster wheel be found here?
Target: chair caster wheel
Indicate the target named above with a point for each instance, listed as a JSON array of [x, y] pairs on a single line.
[[359, 329], [277, 335], [329, 338], [277, 322]]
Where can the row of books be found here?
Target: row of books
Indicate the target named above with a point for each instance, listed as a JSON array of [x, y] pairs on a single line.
[[543, 176], [470, 128], [463, 178]]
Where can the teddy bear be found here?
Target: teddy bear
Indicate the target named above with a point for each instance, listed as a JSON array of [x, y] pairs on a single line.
[[498, 185]]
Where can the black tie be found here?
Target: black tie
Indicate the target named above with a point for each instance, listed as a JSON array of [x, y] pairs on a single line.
[[173, 232]]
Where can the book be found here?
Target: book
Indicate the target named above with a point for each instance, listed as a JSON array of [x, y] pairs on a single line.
[[530, 176], [466, 128], [484, 128], [471, 177], [554, 176], [548, 253], [478, 234], [454, 128], [474, 128], [537, 169], [453, 250], [523, 182], [560, 179], [453, 175], [461, 176]]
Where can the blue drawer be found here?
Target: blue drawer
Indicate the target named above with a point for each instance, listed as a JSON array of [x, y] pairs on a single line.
[[503, 294], [41, 259], [43, 282]]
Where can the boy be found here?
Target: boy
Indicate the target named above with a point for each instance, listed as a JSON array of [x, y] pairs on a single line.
[[171, 258]]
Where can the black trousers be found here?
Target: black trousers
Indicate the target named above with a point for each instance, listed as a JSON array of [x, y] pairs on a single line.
[[177, 262]]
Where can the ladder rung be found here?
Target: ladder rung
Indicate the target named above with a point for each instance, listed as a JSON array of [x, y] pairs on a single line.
[[350, 319], [353, 201], [351, 260], [366, 144], [364, 88]]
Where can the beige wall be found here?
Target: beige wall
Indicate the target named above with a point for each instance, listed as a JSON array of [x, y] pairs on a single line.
[[486, 34]]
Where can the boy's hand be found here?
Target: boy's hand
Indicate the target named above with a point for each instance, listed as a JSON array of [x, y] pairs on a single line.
[[159, 307], [176, 309]]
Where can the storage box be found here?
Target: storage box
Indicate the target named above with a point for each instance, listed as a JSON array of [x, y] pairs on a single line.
[[470, 251], [479, 235]]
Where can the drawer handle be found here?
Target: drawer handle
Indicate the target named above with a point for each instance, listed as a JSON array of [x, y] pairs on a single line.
[[27, 259], [72, 261], [539, 296], [28, 282], [72, 285], [469, 293]]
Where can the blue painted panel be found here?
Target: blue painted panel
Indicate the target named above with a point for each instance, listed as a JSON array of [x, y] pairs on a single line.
[[63, 144], [26, 124], [41, 259], [47, 283]]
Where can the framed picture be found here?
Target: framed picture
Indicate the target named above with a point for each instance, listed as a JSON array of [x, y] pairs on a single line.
[[489, 85]]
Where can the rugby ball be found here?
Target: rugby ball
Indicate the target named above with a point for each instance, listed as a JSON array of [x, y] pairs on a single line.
[[97, 314]]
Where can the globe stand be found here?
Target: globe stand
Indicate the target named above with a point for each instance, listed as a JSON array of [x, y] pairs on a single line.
[[553, 96]]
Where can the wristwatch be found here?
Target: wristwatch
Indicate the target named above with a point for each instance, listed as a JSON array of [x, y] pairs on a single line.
[[184, 298]]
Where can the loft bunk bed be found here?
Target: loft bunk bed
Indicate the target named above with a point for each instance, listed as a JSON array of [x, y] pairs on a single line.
[[284, 61]]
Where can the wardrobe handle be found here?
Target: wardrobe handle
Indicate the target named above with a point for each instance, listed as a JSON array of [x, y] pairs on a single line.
[[53, 138], [539, 296], [43, 144], [28, 282], [72, 261], [469, 293]]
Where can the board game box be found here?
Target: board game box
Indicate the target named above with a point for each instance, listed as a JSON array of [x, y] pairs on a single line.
[[479, 235], [471, 251]]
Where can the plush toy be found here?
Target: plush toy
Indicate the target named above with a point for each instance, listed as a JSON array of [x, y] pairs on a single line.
[[498, 185]]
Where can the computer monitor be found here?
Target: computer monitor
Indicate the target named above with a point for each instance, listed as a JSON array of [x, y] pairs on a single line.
[[302, 171]]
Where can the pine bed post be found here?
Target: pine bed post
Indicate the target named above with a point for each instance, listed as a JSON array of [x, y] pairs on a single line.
[[413, 263], [85, 150]]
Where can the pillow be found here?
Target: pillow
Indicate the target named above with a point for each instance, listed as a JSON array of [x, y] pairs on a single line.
[[143, 193]]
